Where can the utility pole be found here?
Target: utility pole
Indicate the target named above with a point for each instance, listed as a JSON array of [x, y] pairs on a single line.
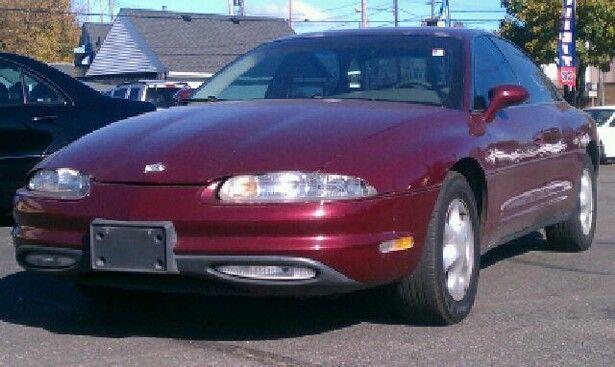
[[396, 12], [433, 9], [229, 4], [290, 13], [111, 9], [601, 87], [88, 5], [363, 13], [240, 4]]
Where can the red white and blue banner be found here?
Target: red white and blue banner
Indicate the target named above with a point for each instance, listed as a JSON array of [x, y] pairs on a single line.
[[567, 52]]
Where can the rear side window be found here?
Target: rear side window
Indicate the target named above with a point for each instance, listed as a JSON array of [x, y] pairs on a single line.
[[39, 92], [11, 89], [490, 70], [133, 95], [531, 77], [119, 93]]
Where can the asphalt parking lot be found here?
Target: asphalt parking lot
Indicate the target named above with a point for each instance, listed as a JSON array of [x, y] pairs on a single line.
[[534, 307]]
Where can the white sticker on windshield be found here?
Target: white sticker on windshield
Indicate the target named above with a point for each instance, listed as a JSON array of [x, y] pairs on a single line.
[[437, 52]]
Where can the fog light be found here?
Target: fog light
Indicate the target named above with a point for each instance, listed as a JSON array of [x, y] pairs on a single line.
[[268, 272], [402, 243], [49, 261]]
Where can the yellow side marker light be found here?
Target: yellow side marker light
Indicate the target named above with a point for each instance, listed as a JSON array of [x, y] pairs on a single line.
[[402, 243]]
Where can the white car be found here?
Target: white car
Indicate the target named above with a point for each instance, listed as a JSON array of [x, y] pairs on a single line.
[[605, 120]]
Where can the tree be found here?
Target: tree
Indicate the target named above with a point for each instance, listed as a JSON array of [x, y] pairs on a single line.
[[534, 26], [42, 29]]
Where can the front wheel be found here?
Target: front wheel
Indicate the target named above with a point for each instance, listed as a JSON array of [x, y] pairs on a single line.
[[443, 287], [577, 233]]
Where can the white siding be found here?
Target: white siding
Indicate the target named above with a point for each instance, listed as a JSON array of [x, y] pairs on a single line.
[[122, 53]]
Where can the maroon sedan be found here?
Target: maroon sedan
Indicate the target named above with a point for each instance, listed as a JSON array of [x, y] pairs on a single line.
[[320, 164]]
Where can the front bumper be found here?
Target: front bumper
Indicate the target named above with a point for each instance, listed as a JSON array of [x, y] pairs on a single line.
[[198, 274], [340, 240]]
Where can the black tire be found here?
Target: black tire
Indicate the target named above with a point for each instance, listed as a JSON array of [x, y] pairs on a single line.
[[569, 236], [423, 296]]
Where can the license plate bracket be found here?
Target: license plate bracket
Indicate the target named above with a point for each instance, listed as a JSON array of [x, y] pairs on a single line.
[[131, 246]]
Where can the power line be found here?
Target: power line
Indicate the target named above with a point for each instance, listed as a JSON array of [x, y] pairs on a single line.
[[415, 17]]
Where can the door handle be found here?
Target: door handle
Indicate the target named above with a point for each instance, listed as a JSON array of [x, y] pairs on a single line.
[[44, 118]]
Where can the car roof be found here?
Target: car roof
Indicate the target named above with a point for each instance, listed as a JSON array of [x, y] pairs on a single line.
[[606, 108], [463, 33], [163, 83], [69, 85]]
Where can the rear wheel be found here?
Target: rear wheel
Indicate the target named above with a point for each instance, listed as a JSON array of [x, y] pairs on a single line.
[[577, 233], [443, 287]]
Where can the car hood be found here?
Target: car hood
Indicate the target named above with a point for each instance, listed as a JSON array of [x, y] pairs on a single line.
[[200, 143]]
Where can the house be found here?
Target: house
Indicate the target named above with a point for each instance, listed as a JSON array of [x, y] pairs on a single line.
[[608, 79], [149, 44], [92, 37]]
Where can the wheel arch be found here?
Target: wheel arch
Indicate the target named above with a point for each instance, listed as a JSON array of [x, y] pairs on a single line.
[[475, 175]]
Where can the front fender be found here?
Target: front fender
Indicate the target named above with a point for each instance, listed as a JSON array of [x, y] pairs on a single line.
[[413, 156]]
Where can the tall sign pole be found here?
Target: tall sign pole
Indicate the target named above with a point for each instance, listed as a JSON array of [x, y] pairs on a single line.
[[567, 53]]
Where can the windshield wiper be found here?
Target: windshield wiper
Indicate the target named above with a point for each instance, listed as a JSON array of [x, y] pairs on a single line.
[[208, 99], [318, 96]]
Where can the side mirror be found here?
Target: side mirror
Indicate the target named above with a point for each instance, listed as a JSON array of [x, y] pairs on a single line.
[[504, 96]]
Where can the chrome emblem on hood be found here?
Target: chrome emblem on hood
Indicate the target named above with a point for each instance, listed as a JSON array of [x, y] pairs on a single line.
[[154, 167]]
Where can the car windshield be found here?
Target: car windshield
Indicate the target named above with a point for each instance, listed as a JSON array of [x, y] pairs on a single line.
[[415, 69], [600, 116]]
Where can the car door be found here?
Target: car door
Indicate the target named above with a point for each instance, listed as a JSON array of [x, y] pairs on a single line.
[[557, 142], [512, 155], [31, 116]]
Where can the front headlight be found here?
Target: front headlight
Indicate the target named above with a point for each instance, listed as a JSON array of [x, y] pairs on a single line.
[[61, 183], [293, 187]]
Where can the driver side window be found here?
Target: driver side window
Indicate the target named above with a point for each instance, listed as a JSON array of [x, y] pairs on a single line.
[[490, 70], [39, 92]]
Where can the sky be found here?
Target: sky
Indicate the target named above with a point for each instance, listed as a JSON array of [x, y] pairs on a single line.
[[335, 14]]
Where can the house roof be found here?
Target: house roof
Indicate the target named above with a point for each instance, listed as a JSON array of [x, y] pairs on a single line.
[[183, 42], [94, 33]]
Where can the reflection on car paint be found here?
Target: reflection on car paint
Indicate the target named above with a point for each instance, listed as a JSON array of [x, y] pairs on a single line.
[[495, 155], [552, 189], [582, 141]]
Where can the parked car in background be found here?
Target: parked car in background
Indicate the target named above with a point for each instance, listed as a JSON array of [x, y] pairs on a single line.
[[320, 164], [160, 93], [182, 95], [42, 110], [605, 120]]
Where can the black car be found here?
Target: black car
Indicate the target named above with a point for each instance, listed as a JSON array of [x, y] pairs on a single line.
[[41, 111]]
